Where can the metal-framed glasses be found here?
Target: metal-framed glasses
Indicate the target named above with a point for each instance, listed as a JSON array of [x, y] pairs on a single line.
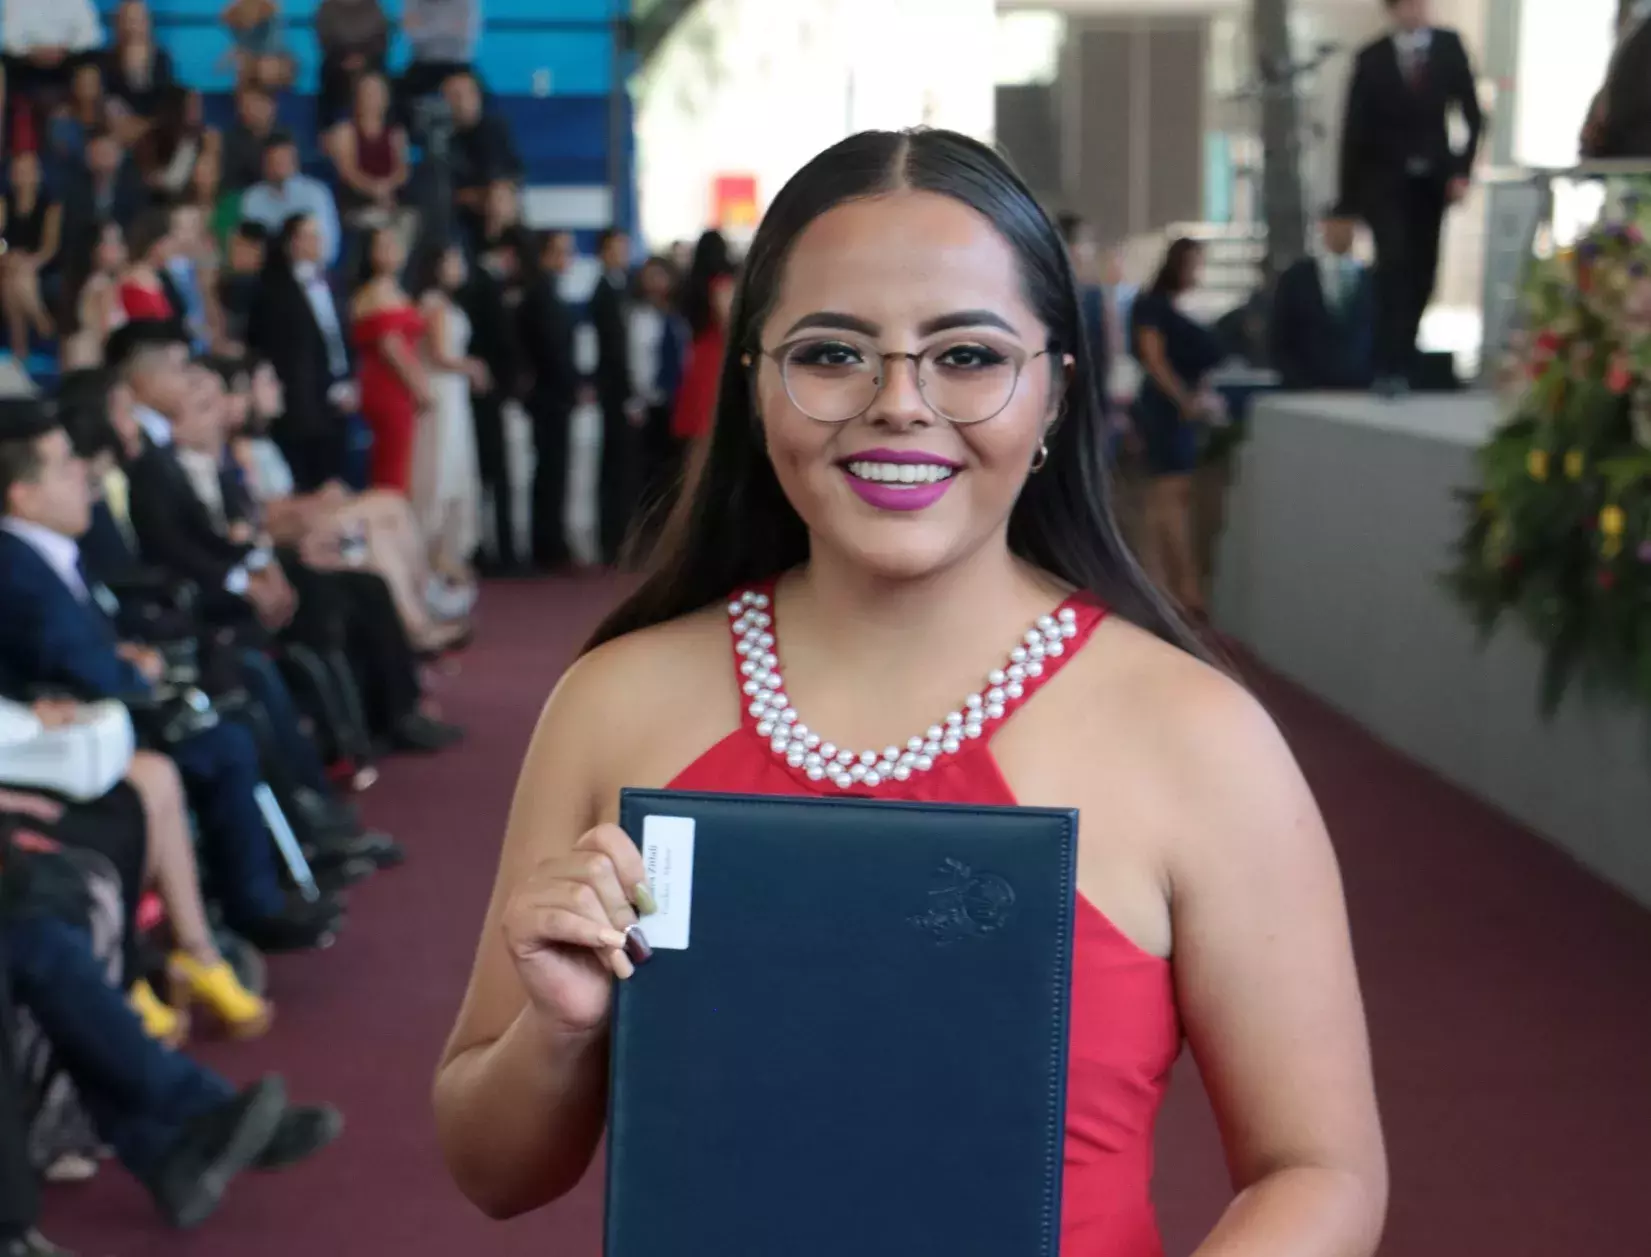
[[833, 379]]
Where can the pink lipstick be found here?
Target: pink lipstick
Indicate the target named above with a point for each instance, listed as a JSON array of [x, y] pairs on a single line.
[[899, 480]]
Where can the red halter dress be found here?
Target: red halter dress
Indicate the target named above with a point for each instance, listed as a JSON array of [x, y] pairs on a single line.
[[1125, 1033]]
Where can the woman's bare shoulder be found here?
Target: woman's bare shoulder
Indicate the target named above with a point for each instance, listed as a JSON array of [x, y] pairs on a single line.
[[643, 704]]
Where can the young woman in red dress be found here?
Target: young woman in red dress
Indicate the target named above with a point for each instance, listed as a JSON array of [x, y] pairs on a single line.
[[395, 389], [902, 512]]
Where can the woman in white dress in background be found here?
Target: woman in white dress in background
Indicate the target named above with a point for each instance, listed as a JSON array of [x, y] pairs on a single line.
[[446, 483]]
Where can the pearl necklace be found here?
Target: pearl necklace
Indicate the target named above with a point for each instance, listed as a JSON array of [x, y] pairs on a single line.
[[801, 747]]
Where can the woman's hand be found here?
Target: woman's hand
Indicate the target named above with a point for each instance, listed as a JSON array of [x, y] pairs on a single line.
[[481, 379], [565, 929]]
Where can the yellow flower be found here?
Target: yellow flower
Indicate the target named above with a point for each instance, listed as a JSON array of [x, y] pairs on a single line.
[[1611, 547], [1574, 463], [1612, 521], [1536, 462]]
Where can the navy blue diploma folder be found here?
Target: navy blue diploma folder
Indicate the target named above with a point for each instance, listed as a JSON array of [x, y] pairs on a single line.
[[850, 1040]]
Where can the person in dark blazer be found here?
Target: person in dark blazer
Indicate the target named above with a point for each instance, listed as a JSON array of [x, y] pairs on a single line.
[[489, 292], [546, 328], [624, 414], [55, 633], [105, 188], [1619, 122], [1399, 171], [1323, 328], [300, 325]]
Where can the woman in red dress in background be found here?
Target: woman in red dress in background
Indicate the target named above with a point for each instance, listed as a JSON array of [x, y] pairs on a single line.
[[902, 500], [394, 387], [141, 293], [707, 296]]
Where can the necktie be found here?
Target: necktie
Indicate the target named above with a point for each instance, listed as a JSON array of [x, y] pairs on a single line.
[[1415, 63]]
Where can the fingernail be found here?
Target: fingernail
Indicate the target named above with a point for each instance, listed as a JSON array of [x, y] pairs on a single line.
[[636, 946], [646, 904]]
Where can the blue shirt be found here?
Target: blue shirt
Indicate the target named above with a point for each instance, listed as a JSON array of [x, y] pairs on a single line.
[[270, 206]]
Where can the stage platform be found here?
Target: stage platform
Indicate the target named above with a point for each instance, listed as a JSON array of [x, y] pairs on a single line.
[[1341, 522]]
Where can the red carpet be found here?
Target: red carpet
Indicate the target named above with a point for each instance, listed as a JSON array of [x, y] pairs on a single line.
[[1507, 994]]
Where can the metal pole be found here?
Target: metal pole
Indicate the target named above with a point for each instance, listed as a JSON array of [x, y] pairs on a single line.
[[1283, 207]]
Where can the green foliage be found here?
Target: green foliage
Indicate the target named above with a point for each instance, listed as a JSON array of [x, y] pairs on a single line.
[[1558, 531]]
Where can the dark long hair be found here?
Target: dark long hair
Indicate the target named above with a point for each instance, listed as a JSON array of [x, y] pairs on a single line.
[[1173, 278], [733, 525], [712, 260]]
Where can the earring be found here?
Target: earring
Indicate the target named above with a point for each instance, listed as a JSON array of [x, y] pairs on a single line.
[[1040, 458]]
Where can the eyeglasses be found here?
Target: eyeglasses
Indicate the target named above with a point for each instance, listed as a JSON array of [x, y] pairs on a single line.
[[834, 379]]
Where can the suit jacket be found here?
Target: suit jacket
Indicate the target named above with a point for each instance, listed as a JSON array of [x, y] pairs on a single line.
[[546, 328], [1315, 347], [81, 216], [493, 332], [175, 531], [1391, 128], [1627, 99], [282, 327], [613, 344], [48, 636]]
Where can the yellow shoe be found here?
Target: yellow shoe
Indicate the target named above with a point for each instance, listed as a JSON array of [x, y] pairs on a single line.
[[217, 988], [161, 1022]]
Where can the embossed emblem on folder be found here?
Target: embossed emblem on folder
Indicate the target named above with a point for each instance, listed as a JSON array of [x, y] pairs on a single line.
[[965, 904]]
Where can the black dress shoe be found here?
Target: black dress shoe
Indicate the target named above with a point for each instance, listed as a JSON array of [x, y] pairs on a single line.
[[212, 1149], [304, 1130], [336, 876], [300, 926], [31, 1244], [379, 850], [423, 735]]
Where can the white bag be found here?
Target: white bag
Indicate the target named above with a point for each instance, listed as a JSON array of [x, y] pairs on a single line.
[[81, 760]]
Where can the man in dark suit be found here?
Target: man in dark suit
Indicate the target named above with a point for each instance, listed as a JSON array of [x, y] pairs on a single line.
[[1399, 171], [546, 327], [106, 188], [54, 633], [1324, 314], [493, 285], [624, 414], [1619, 123]]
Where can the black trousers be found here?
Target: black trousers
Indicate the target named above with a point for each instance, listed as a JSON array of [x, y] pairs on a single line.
[[493, 468], [552, 424], [116, 828], [621, 478], [316, 450], [353, 611], [19, 1183], [1406, 218]]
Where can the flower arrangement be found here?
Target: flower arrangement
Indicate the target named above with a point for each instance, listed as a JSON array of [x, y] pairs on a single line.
[[1559, 529]]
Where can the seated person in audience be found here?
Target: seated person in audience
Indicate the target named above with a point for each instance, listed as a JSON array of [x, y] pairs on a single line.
[[43, 41], [19, 1179], [259, 50], [355, 37], [31, 230], [106, 188], [98, 411], [91, 308], [348, 609], [174, 141], [54, 634], [333, 526], [137, 71], [144, 290], [141, 826], [247, 137], [1324, 314], [441, 36], [481, 153], [369, 152], [179, 1128], [73, 122], [191, 274], [284, 192], [238, 281]]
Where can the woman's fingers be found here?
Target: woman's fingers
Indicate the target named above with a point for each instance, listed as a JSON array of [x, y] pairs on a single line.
[[536, 926], [626, 860]]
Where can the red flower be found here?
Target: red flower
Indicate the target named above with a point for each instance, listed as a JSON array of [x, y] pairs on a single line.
[[1547, 344], [1619, 378], [1607, 580]]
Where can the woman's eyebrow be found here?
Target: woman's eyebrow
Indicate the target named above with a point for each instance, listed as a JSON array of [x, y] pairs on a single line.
[[836, 321]]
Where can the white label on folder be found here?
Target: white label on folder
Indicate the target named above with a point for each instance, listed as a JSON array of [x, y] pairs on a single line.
[[668, 854]]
